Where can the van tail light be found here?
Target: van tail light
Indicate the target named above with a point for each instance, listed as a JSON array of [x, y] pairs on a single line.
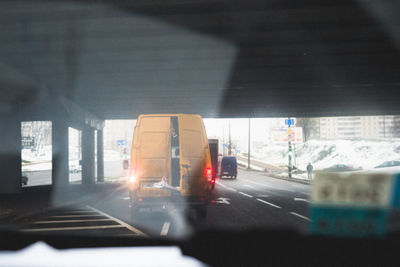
[[213, 181], [132, 176], [209, 173]]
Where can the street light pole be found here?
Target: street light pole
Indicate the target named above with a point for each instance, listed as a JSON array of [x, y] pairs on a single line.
[[229, 145], [248, 149], [290, 149]]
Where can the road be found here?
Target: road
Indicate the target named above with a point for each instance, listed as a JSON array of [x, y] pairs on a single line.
[[253, 200]]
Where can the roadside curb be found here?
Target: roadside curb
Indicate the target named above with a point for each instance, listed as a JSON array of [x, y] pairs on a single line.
[[301, 181]]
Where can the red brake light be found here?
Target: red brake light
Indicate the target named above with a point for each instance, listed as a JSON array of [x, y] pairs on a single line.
[[208, 173]]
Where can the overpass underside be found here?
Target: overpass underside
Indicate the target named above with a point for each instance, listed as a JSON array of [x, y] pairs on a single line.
[[63, 114], [77, 63]]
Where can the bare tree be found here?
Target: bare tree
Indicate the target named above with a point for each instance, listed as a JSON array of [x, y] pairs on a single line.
[[310, 127], [40, 131]]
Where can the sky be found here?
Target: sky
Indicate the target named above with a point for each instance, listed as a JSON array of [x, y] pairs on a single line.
[[260, 129]]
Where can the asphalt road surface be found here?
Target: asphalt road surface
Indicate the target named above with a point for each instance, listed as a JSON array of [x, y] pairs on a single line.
[[254, 200]]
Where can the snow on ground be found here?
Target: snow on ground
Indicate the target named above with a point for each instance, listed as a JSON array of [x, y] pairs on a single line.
[[37, 167], [40, 161], [36, 156], [251, 166], [323, 154]]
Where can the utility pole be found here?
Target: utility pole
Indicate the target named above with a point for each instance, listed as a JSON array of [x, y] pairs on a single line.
[[230, 143], [294, 155], [248, 149], [223, 138], [290, 149]]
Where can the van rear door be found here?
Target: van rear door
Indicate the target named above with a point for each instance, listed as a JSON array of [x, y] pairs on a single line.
[[194, 155], [153, 160]]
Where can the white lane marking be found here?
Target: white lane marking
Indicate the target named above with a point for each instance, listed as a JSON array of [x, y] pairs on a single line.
[[244, 194], [248, 185], [124, 198], [301, 199], [73, 228], [165, 228], [218, 183], [77, 212], [300, 216], [75, 216], [268, 203], [223, 200], [269, 186], [258, 183], [130, 227], [72, 221], [227, 187]]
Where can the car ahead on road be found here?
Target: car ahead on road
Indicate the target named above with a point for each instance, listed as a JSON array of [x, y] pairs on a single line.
[[171, 164], [342, 168], [390, 163], [228, 167], [24, 179], [75, 168]]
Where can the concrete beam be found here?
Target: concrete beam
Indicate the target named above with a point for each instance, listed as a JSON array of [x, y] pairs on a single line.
[[60, 172], [79, 116], [100, 156], [88, 163], [10, 154]]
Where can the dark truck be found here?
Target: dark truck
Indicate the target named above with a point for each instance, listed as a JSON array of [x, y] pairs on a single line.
[[213, 144]]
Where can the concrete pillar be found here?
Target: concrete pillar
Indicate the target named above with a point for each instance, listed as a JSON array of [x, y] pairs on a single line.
[[10, 155], [100, 156], [88, 168], [59, 135]]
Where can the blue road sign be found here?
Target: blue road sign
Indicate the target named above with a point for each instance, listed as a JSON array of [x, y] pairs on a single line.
[[396, 192], [121, 142], [289, 122], [348, 221]]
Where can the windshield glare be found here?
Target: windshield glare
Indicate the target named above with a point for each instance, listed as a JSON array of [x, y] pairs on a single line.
[[160, 120]]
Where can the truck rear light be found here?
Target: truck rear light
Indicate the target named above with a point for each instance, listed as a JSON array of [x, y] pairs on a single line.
[[132, 176], [209, 173]]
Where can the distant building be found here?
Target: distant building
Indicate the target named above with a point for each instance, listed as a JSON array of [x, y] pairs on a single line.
[[361, 127], [115, 130]]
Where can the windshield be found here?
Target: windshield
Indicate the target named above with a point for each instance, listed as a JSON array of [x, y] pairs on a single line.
[[160, 119]]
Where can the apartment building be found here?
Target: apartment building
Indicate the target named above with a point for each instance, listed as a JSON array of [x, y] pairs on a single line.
[[359, 127]]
